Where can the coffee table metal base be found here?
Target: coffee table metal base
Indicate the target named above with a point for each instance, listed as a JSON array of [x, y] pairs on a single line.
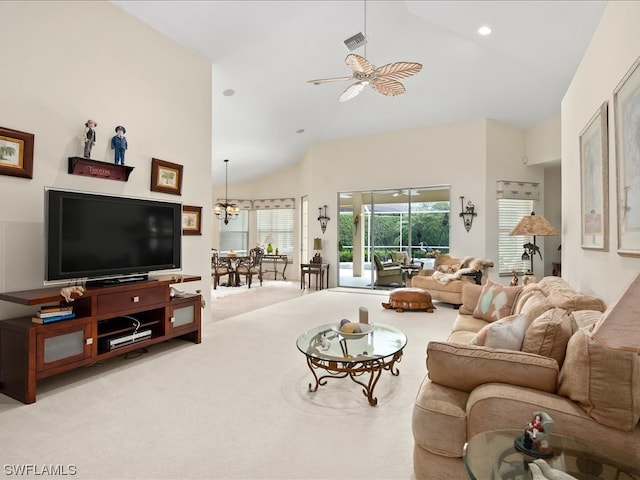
[[354, 370]]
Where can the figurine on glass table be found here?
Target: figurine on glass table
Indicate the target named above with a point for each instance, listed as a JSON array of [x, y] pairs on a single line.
[[534, 441]]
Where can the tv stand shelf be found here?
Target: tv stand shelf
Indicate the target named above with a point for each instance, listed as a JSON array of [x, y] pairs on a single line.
[[30, 351]]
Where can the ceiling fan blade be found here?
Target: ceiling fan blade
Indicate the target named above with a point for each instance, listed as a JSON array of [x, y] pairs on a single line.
[[359, 64], [398, 70], [352, 91], [388, 87], [327, 80]]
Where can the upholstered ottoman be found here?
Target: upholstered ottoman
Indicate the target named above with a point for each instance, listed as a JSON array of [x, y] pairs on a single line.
[[402, 299]]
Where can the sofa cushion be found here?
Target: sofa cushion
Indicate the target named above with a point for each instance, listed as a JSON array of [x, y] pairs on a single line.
[[549, 334], [508, 333], [470, 295], [585, 319], [604, 382], [438, 409], [560, 294], [535, 305], [464, 367], [399, 257], [496, 301]]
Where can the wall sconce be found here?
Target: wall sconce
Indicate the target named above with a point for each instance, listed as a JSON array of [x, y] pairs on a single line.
[[322, 218], [467, 213]]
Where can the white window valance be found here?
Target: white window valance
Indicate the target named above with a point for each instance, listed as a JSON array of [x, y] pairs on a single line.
[[274, 203], [261, 204], [243, 204], [514, 190]]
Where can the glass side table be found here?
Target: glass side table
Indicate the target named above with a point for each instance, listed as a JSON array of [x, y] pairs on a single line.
[[491, 455]]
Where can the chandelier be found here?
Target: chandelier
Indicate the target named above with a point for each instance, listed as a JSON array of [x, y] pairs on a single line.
[[226, 211]]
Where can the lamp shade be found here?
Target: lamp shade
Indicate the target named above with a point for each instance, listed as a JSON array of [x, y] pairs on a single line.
[[317, 244], [534, 225]]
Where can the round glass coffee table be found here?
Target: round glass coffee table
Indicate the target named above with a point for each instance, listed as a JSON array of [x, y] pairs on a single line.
[[361, 359], [492, 455]]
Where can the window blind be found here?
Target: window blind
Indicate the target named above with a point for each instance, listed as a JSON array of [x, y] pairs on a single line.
[[235, 235], [510, 248], [275, 226]]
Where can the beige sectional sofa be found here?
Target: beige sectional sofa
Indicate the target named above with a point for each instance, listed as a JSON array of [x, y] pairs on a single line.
[[591, 392]]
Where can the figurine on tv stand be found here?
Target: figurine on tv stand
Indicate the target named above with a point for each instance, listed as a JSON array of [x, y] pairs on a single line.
[[119, 144]]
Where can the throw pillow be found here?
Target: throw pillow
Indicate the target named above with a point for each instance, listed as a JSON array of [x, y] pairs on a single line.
[[496, 301], [506, 333], [549, 334], [451, 268], [605, 382]]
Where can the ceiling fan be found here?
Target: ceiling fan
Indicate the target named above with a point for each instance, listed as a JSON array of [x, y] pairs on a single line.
[[383, 79]]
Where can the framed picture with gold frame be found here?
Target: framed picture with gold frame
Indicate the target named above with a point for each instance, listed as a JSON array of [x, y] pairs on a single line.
[[626, 98], [16, 153], [191, 220], [594, 181], [166, 177]]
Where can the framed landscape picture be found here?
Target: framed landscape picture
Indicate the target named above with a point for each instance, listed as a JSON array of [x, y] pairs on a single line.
[[166, 177], [626, 99], [191, 220], [16, 153], [594, 182]]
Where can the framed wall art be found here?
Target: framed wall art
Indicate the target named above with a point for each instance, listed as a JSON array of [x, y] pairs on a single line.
[[594, 181], [626, 98], [166, 177], [191, 220], [16, 153]]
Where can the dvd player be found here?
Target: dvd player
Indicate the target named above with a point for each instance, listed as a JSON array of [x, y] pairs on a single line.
[[129, 339]]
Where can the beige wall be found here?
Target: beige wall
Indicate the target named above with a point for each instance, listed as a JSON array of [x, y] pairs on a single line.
[[469, 156], [613, 49], [542, 142], [65, 62]]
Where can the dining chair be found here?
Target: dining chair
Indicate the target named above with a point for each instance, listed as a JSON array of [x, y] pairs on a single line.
[[220, 266], [251, 265]]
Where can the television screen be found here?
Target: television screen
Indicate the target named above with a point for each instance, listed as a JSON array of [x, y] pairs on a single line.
[[92, 235]]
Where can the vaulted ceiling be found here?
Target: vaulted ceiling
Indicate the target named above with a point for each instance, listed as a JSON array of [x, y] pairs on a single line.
[[266, 51]]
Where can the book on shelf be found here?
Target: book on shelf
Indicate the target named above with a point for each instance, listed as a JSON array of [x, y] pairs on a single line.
[[54, 318], [56, 308], [45, 314]]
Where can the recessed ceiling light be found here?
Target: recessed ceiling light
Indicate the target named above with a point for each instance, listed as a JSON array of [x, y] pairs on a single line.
[[229, 92], [484, 30], [300, 130]]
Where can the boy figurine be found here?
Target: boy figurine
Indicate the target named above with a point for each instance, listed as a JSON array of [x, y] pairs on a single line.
[[119, 144], [89, 137]]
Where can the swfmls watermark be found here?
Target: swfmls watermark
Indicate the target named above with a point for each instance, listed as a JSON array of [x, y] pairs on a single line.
[[42, 470]]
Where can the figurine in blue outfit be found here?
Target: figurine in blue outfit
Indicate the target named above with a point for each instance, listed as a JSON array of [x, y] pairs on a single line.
[[119, 144]]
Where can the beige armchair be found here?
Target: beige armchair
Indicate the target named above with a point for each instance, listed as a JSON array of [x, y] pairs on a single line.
[[400, 258], [387, 274], [445, 280]]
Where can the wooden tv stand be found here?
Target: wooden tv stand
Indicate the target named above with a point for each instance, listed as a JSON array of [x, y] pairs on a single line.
[[30, 351]]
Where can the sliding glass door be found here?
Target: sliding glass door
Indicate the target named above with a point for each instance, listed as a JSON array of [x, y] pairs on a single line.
[[374, 224]]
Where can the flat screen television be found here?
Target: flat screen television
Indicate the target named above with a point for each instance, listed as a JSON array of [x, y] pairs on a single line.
[[97, 236]]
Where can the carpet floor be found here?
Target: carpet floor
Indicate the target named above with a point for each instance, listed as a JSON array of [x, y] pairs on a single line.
[[237, 406]]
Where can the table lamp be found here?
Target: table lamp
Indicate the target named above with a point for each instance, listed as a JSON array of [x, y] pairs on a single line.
[[533, 225], [317, 246]]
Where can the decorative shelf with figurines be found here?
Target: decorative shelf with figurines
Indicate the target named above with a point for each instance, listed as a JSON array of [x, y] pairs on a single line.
[[94, 168]]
